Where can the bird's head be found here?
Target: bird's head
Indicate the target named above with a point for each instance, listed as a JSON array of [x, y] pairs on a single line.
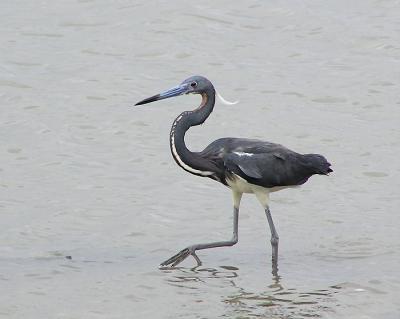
[[193, 85]]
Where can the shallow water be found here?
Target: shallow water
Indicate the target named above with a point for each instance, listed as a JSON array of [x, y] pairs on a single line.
[[82, 174]]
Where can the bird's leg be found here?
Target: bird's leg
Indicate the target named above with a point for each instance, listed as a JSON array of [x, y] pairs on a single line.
[[191, 250], [274, 241], [263, 198]]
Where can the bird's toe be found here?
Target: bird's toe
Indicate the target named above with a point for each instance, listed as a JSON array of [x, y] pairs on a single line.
[[176, 259]]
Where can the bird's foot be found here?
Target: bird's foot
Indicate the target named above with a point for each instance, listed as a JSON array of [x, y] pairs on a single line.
[[274, 259], [181, 256]]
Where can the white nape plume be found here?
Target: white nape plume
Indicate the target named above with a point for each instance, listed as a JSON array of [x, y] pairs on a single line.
[[225, 101]]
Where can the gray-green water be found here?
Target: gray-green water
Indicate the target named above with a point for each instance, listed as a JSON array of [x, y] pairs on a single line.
[[85, 175]]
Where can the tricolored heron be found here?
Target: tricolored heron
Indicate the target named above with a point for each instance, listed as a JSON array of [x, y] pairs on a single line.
[[244, 165]]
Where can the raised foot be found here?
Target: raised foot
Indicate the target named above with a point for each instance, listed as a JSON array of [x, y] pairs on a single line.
[[181, 256]]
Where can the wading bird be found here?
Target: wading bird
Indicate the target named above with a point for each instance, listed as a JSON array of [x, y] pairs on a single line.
[[244, 165]]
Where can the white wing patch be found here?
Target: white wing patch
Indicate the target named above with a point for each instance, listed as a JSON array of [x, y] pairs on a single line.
[[243, 154]]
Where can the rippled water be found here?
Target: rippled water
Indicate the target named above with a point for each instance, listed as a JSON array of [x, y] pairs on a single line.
[[84, 175]]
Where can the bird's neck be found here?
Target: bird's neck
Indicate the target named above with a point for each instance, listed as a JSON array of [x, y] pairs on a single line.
[[186, 159]]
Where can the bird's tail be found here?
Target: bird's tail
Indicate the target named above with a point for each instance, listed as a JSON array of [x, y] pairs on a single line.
[[318, 164]]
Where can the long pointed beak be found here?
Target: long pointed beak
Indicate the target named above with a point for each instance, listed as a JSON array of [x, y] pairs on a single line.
[[175, 91]]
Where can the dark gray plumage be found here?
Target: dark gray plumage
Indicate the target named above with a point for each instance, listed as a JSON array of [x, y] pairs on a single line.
[[244, 165], [263, 163]]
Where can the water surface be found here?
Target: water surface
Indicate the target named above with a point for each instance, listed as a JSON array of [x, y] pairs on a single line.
[[82, 174]]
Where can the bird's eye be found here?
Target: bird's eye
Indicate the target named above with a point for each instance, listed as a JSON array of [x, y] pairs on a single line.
[[193, 84]]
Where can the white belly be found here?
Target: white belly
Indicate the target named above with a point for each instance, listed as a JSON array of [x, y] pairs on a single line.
[[240, 185]]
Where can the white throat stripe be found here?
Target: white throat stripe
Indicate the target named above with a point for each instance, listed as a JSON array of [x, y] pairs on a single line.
[[183, 164]]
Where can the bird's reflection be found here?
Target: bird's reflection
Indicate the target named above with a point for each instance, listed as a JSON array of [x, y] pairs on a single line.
[[183, 277], [276, 300]]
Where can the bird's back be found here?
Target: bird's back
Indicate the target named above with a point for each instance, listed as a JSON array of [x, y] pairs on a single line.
[[263, 163]]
